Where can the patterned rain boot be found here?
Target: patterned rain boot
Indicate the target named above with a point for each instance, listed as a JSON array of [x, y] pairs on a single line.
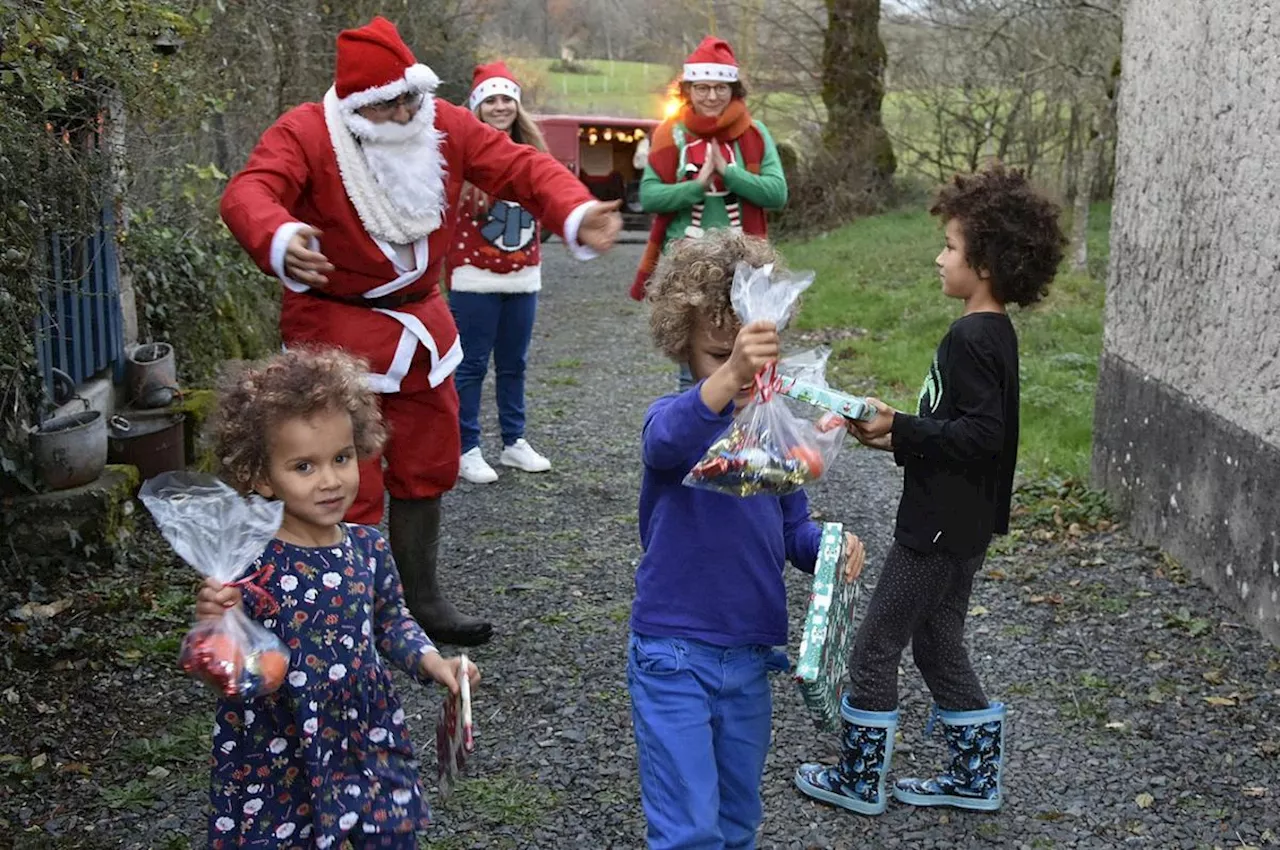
[[857, 782], [976, 741]]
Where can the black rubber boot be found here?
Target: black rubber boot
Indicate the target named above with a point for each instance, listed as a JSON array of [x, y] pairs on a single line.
[[414, 528]]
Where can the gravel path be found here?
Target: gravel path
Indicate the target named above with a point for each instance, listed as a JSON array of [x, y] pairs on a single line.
[[1141, 714]]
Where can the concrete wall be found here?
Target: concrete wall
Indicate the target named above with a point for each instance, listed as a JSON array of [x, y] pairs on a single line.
[[1187, 431]]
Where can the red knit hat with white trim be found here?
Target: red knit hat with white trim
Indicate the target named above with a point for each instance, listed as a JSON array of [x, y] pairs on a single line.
[[712, 62], [491, 79], [374, 65]]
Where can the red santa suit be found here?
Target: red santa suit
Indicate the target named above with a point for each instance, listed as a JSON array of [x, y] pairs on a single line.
[[383, 301]]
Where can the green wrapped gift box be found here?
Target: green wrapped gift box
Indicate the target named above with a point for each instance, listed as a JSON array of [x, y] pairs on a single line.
[[828, 631], [848, 406]]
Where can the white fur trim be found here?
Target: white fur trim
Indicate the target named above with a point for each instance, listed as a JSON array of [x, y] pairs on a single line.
[[471, 279], [418, 78], [571, 225], [695, 72], [279, 244], [414, 334], [420, 266], [492, 86], [380, 217], [389, 381]]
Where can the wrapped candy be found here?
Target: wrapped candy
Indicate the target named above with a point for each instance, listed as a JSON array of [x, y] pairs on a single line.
[[221, 533], [455, 739], [770, 448]]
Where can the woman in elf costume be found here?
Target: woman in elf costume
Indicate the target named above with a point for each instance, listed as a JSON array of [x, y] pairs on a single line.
[[495, 273], [710, 166]]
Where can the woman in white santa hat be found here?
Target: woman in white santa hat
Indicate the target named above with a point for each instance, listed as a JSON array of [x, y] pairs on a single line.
[[495, 273], [350, 204], [710, 166]]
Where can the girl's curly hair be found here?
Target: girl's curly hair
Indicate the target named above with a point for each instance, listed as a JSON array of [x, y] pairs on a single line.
[[1011, 231], [253, 398], [694, 278]]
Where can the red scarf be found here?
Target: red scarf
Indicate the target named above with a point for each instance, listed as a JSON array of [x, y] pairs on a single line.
[[732, 125]]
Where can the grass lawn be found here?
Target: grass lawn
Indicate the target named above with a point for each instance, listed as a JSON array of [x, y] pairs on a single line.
[[624, 89], [876, 277]]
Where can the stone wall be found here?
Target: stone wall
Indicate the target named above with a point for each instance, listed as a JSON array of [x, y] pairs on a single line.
[[1187, 430]]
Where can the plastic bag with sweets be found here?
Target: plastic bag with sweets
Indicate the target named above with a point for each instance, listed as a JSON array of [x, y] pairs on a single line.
[[772, 447], [221, 533]]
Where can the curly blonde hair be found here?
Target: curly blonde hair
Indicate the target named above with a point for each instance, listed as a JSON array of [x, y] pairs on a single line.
[[693, 278], [255, 397]]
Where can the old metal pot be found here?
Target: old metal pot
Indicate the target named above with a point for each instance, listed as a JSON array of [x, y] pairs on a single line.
[[151, 375], [69, 451]]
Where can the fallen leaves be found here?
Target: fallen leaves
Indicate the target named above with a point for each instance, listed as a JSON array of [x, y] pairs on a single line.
[[32, 611], [1254, 791], [1221, 702], [1047, 599], [1144, 800], [978, 611]]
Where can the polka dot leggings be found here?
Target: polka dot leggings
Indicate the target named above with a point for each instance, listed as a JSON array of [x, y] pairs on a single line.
[[920, 599]]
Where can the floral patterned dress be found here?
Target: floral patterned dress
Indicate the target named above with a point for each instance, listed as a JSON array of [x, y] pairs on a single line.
[[328, 755]]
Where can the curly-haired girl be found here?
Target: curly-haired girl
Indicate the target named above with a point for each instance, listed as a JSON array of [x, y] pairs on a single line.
[[326, 758], [1003, 244], [710, 601]]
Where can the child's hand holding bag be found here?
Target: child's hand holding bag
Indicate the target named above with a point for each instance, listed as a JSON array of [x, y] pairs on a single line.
[[220, 533]]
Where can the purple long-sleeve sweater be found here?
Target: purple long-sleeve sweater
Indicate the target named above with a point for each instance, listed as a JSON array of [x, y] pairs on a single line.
[[712, 566]]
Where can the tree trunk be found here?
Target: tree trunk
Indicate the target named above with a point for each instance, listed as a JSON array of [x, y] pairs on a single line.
[[1094, 168], [1092, 156], [853, 65]]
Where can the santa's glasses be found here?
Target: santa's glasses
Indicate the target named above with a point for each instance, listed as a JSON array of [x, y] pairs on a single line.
[[409, 100], [708, 89]]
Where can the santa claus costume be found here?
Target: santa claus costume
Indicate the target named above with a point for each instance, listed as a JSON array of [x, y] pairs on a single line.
[[495, 274], [377, 195]]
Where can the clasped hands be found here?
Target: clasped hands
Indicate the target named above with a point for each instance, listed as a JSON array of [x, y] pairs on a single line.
[[714, 164]]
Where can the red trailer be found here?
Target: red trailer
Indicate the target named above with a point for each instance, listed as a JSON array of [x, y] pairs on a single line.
[[607, 154]]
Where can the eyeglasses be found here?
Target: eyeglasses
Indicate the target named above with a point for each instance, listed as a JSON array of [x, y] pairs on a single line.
[[409, 100], [708, 89]]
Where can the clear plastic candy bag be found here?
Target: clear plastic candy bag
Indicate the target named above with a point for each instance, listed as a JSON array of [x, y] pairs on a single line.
[[220, 533], [773, 446]]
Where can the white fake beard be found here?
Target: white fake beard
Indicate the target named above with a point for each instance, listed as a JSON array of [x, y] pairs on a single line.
[[402, 159]]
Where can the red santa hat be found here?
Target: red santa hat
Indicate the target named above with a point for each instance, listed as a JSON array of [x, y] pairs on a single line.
[[491, 79], [712, 62], [374, 64]]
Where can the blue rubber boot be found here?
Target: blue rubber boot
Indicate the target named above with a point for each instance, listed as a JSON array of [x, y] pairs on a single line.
[[972, 781], [857, 782]]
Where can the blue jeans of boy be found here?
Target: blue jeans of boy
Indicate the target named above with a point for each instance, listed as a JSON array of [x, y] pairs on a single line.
[[498, 325], [702, 717]]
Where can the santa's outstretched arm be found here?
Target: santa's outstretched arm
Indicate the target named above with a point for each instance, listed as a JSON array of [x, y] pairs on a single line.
[[535, 180], [257, 202]]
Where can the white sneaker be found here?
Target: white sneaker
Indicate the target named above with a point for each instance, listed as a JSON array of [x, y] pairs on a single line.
[[522, 456], [474, 469]]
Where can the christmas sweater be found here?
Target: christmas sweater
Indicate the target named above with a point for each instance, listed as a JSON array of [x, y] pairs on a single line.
[[496, 248], [694, 209]]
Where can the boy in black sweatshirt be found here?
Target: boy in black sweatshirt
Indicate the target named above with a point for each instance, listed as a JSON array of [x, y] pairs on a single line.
[[1003, 245]]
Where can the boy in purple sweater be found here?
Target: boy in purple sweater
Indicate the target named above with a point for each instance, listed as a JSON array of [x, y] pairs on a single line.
[[710, 600]]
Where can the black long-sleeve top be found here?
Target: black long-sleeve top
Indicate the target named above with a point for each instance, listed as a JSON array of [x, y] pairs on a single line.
[[958, 455]]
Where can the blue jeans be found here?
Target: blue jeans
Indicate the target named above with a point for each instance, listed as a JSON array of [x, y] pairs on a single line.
[[702, 717], [500, 325]]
